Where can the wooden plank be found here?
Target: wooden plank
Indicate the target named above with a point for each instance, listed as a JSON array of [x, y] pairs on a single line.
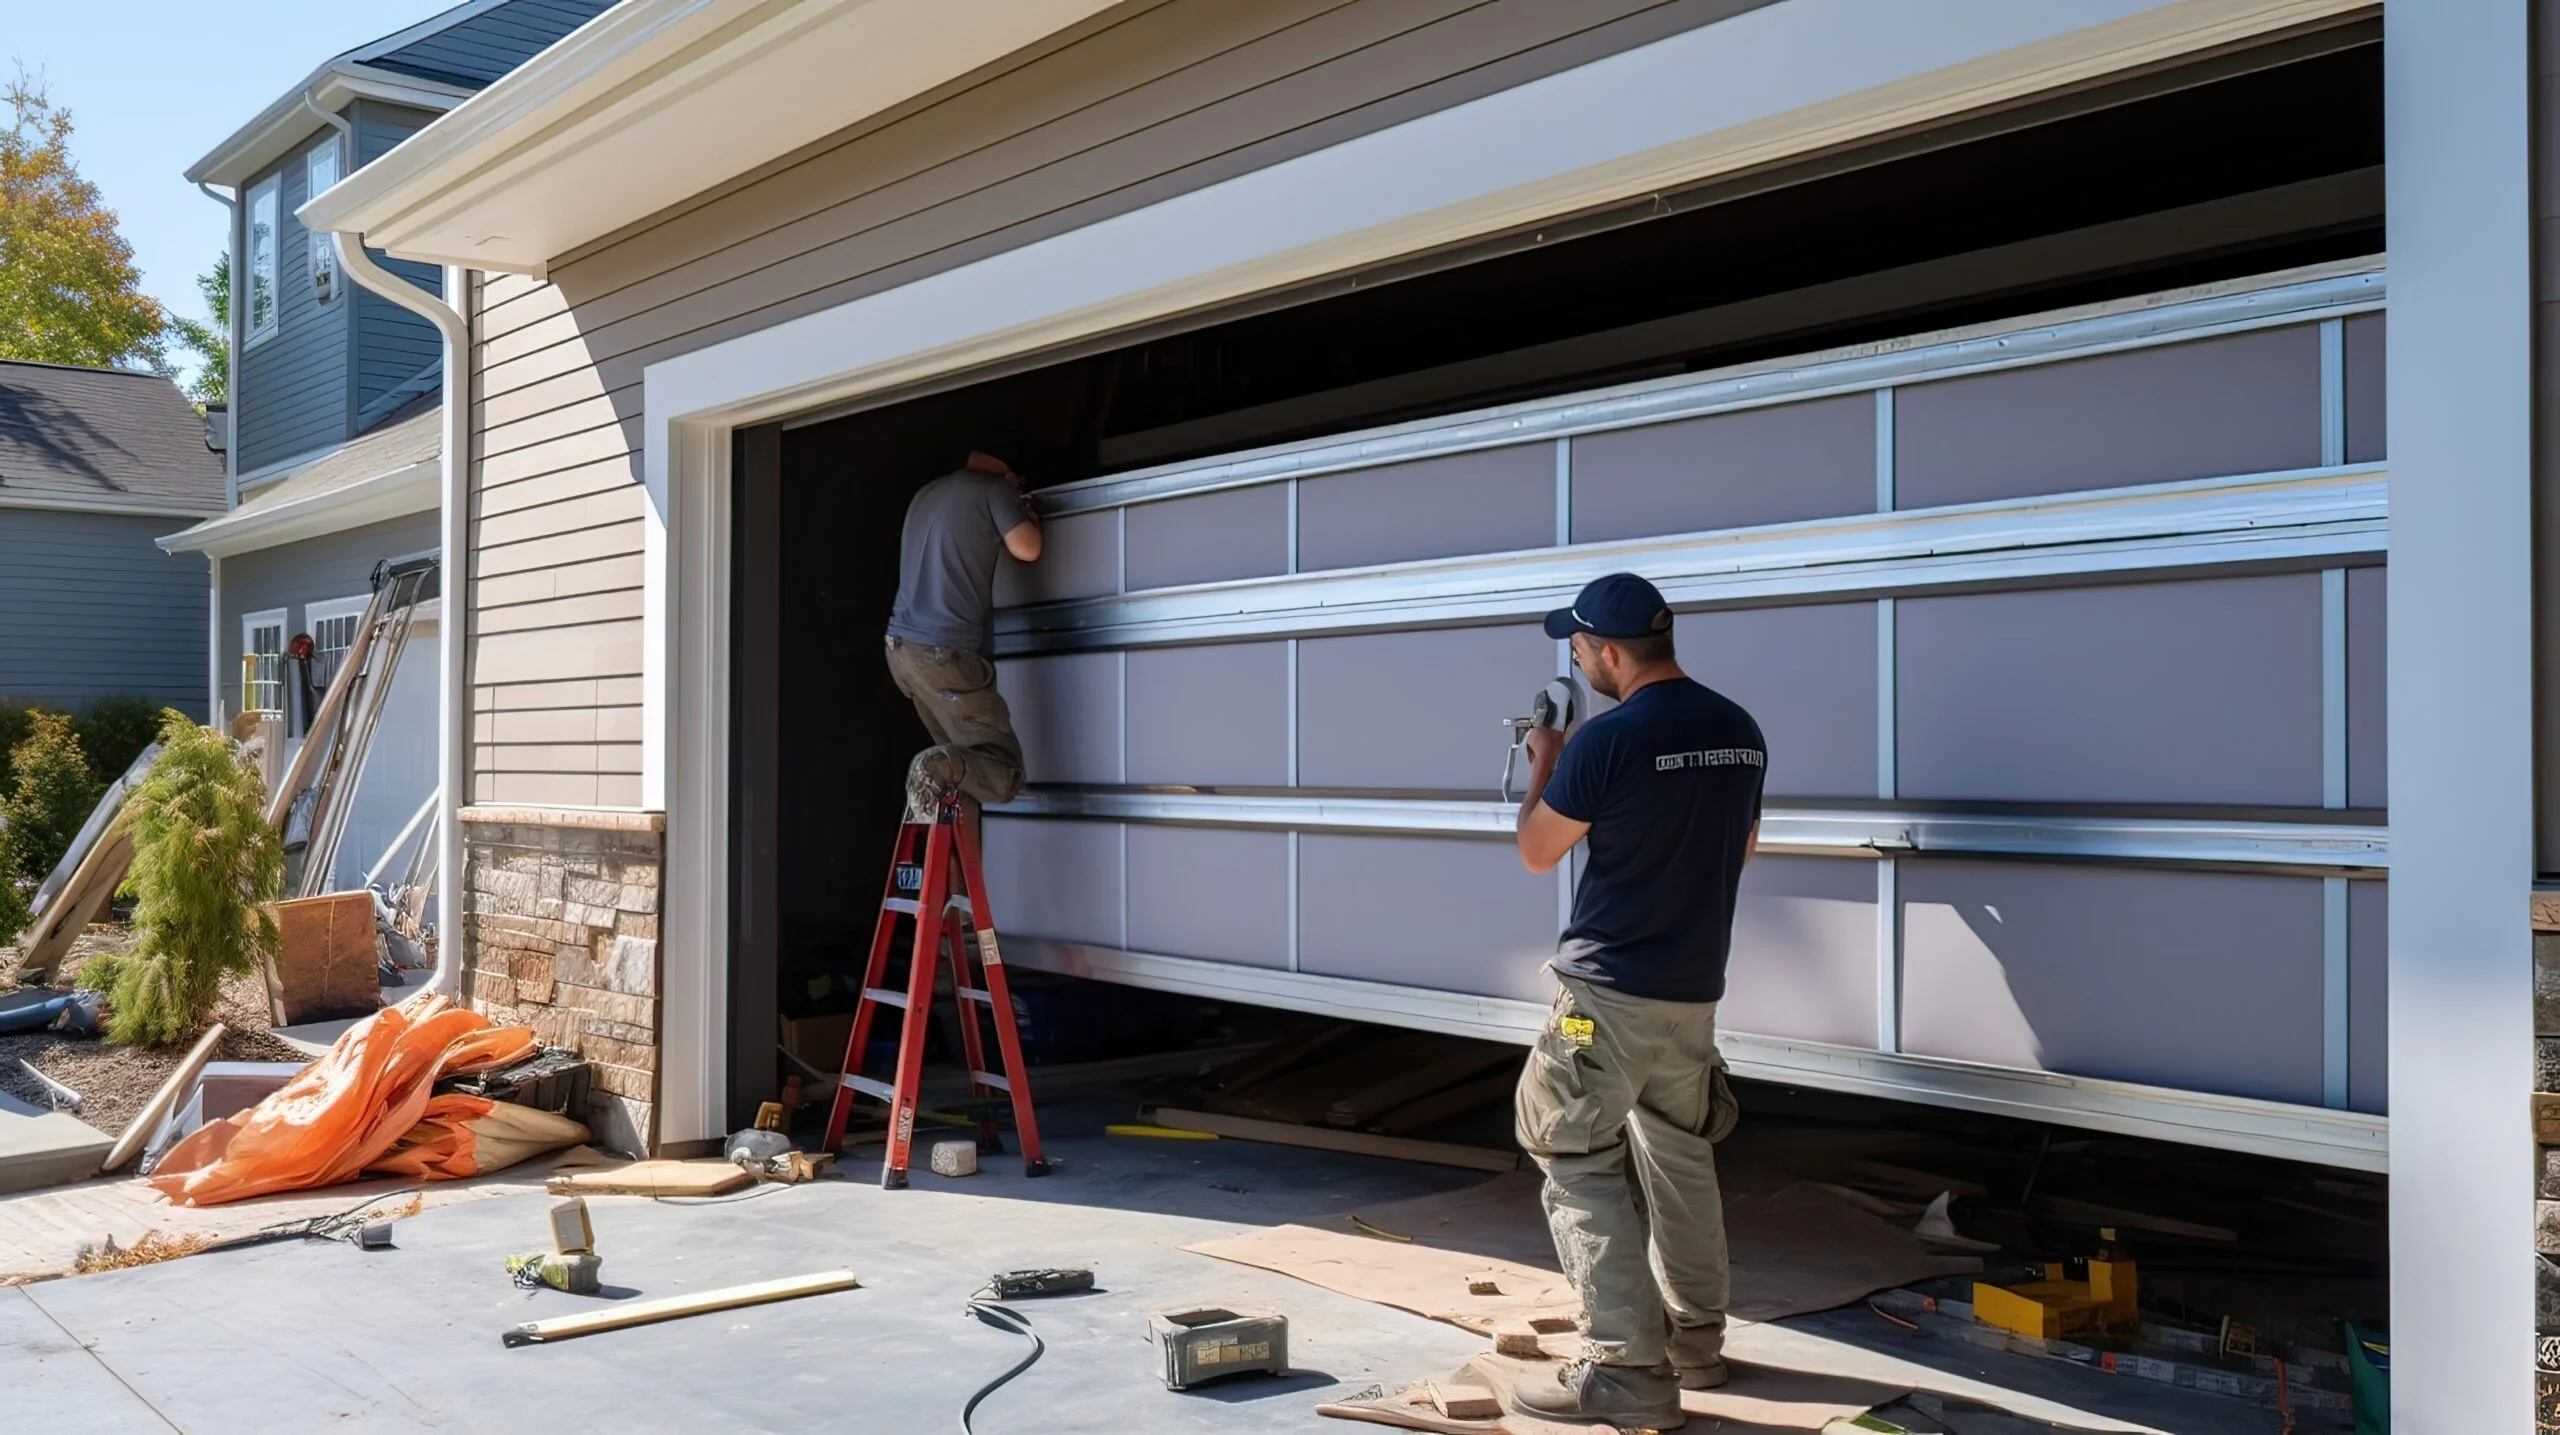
[[625, 1314], [91, 886], [655, 1178], [1359, 1107], [1325, 1138], [1464, 1402], [1441, 1105], [180, 1082]]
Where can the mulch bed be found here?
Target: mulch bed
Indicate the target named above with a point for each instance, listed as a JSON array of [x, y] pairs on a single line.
[[115, 1082]]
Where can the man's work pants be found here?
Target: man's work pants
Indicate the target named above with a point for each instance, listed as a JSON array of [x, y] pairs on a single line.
[[1620, 1104]]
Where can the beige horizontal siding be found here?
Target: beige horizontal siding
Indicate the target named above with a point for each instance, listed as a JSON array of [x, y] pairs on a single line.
[[1174, 97]]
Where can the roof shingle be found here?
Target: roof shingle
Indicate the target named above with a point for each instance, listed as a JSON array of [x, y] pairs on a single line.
[[108, 434]]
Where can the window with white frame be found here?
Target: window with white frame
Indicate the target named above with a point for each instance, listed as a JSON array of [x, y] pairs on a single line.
[[333, 631], [321, 168], [261, 243], [262, 661]]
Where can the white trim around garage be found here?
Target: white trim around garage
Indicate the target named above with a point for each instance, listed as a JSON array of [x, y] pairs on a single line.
[[1711, 101]]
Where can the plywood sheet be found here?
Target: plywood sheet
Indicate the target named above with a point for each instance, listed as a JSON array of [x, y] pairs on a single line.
[[1210, 716], [1240, 533], [1203, 892], [2204, 692], [1808, 676], [1415, 710], [2201, 981], [1446, 913], [1782, 464], [1804, 952], [2248, 403], [1489, 501]]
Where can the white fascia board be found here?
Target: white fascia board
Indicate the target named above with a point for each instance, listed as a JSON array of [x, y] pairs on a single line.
[[415, 488], [108, 503], [654, 102], [1786, 79], [286, 123]]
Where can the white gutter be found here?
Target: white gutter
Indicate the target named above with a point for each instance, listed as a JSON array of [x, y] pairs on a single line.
[[451, 724], [411, 488]]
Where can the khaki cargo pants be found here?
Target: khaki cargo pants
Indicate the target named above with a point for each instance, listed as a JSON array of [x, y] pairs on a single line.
[[954, 691], [1621, 1103]]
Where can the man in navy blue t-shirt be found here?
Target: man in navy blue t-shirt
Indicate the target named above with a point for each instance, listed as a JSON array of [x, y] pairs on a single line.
[[1624, 1095]]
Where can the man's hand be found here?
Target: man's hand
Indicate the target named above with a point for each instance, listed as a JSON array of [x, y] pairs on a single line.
[[1544, 745], [1545, 834]]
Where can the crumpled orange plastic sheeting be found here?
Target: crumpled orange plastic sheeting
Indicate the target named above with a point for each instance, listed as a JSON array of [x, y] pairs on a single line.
[[343, 1111], [463, 1135]]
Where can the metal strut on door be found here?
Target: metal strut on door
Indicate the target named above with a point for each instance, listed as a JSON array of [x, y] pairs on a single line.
[[318, 791], [953, 924]]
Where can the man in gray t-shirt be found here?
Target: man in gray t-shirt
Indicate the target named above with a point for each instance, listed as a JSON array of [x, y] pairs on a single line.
[[941, 630]]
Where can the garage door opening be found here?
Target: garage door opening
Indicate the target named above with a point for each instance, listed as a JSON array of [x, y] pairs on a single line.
[[2256, 167]]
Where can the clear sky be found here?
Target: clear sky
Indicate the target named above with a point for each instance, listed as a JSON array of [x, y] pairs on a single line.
[[153, 84]]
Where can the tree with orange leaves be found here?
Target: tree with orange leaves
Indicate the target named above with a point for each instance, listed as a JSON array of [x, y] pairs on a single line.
[[69, 291]]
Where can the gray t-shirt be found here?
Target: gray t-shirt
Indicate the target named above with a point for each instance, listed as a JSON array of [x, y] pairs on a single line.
[[947, 560]]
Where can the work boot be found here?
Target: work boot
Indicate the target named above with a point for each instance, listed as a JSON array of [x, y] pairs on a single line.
[[1630, 1397], [1697, 1355], [933, 776]]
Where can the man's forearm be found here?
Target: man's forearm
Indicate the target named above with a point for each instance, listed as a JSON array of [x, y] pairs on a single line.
[[1540, 769]]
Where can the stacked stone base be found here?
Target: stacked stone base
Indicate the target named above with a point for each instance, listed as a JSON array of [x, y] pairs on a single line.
[[2546, 1171], [560, 933]]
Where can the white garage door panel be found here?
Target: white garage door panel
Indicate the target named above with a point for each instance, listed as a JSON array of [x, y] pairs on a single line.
[[1055, 879], [1415, 710], [2368, 687], [1210, 717], [1197, 892], [2368, 996], [399, 766], [1804, 942], [1079, 558], [2205, 981], [1066, 710], [1243, 533], [1808, 677], [1487, 502], [2197, 692], [1454, 916]]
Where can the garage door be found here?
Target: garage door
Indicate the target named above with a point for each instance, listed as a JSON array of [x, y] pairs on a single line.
[[2066, 634]]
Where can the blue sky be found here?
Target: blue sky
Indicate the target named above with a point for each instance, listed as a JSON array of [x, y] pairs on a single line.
[[153, 84]]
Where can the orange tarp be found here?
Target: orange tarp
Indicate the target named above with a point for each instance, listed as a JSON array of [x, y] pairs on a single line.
[[348, 1111]]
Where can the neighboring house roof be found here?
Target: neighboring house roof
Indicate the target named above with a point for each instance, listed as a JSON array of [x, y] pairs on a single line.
[[393, 471], [432, 65], [104, 440]]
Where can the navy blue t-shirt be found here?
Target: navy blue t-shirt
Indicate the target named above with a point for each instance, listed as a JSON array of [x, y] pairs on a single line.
[[1670, 782]]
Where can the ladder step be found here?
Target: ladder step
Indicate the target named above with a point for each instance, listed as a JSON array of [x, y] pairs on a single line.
[[907, 906], [977, 994], [989, 1078], [877, 1090], [885, 996]]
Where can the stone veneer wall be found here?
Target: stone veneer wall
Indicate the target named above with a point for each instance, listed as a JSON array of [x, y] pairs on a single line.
[[2546, 1133], [560, 933]]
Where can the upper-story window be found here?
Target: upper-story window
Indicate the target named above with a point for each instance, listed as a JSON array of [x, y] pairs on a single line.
[[321, 166], [262, 258]]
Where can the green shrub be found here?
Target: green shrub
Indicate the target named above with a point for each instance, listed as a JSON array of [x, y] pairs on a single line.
[[17, 724], [205, 864], [114, 730], [13, 899], [50, 797]]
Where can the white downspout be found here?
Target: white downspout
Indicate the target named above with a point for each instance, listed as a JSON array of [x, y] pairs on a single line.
[[451, 724]]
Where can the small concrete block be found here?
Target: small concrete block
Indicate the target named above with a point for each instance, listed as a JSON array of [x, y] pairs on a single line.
[[1519, 1340], [1483, 1283], [2546, 1227], [1464, 1402], [46, 1148], [955, 1158]]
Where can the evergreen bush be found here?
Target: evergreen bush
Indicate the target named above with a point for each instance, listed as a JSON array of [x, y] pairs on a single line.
[[205, 864], [50, 796]]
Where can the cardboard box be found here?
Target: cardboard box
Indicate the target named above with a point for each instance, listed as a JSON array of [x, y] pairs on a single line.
[[328, 957]]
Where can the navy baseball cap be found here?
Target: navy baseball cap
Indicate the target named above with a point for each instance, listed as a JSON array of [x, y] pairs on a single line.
[[1620, 605]]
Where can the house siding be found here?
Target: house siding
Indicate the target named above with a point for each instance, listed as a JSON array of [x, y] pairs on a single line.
[[94, 607], [393, 346], [486, 46], [293, 576], [1172, 98], [292, 394]]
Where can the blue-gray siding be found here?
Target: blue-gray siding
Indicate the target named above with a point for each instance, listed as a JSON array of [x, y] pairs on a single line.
[[393, 346], [486, 46], [293, 576], [293, 392], [89, 605]]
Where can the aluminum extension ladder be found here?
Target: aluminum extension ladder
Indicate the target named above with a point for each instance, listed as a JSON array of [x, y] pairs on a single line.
[[957, 925]]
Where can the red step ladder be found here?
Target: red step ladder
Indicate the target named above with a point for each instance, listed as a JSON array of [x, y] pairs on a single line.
[[956, 924]]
